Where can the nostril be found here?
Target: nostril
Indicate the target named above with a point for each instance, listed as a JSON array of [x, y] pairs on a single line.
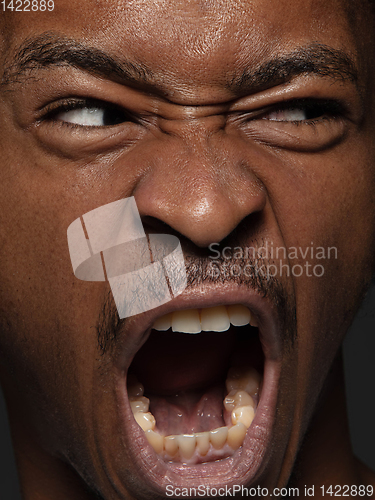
[[153, 224]]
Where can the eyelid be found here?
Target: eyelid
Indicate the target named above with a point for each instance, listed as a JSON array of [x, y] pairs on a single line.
[[67, 104]]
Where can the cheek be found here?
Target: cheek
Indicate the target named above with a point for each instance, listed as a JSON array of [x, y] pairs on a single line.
[[324, 206], [326, 201], [48, 367], [48, 343]]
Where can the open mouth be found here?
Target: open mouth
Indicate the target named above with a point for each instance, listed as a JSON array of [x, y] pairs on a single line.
[[196, 395], [201, 388]]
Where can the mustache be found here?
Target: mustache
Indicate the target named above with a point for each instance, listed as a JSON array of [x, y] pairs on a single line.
[[202, 271]]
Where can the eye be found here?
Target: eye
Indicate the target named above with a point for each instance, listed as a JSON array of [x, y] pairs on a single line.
[[87, 113], [299, 124], [308, 111]]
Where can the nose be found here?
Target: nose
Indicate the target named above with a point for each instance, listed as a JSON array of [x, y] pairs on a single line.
[[201, 184]]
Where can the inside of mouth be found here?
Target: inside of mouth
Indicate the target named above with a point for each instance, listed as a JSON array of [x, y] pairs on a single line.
[[195, 385]]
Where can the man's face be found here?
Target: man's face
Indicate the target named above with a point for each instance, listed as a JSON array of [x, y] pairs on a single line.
[[248, 123]]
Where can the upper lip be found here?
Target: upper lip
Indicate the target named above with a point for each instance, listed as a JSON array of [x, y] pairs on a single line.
[[245, 464]]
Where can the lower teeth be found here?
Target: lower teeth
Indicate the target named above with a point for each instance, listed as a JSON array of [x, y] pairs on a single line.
[[241, 402]]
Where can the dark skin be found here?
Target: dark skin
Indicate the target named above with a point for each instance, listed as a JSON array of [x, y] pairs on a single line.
[[195, 132]]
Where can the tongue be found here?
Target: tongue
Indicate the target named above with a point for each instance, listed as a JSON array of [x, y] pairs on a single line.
[[171, 362], [189, 412]]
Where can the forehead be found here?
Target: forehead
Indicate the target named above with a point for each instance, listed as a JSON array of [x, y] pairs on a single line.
[[190, 42]]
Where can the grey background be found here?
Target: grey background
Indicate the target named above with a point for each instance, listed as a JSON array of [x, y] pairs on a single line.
[[359, 356]]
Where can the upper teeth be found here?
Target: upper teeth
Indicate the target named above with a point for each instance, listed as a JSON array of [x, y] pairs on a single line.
[[213, 319]]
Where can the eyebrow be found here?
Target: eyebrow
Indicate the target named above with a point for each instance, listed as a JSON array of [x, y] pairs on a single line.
[[316, 58], [49, 50]]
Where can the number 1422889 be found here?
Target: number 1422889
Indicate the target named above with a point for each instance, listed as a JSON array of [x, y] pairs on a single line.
[[27, 5]]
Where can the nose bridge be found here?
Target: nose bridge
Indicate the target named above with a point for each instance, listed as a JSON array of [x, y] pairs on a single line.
[[193, 129], [200, 184]]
